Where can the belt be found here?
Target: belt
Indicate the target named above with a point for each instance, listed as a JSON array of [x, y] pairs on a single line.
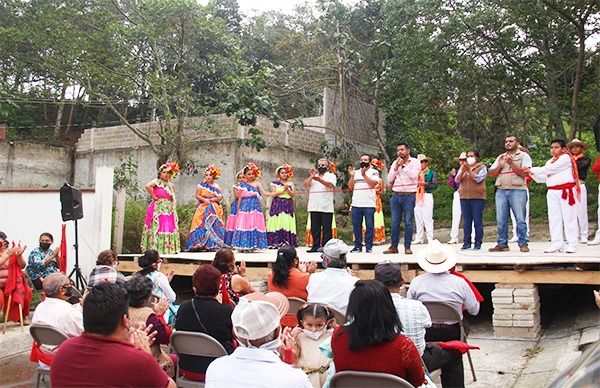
[[403, 193], [310, 371], [442, 325]]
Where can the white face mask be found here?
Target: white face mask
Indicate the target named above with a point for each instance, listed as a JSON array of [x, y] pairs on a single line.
[[271, 345], [471, 160], [314, 335]]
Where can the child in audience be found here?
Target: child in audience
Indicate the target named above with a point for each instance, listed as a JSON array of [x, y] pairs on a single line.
[[315, 325]]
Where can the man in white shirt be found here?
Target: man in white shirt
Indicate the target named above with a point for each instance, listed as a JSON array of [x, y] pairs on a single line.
[[364, 197], [334, 285], [55, 311], [320, 203], [559, 174], [256, 362], [415, 320], [439, 285]]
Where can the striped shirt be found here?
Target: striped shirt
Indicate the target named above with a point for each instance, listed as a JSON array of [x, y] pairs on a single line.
[[414, 318]]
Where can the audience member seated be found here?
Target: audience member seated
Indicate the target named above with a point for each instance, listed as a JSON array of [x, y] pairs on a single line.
[[13, 284], [150, 263], [107, 353], [415, 319], [204, 314], [143, 312], [55, 311], [107, 258], [42, 260], [233, 279], [333, 286], [438, 285], [288, 279], [256, 362], [372, 340]]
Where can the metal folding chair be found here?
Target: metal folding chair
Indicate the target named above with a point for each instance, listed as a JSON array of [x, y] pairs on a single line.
[[358, 379], [194, 344], [440, 311], [295, 304], [340, 317], [46, 335]]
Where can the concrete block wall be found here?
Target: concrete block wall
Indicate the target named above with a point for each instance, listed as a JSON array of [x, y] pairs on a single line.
[[516, 311]]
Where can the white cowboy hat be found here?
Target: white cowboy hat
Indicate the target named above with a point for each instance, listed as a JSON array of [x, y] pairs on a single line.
[[576, 142], [462, 156], [422, 157], [437, 257]]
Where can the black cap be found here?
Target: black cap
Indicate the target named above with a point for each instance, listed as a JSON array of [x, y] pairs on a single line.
[[388, 273]]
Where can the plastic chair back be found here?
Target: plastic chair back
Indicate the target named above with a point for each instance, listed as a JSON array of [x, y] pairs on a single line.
[[295, 304], [359, 379]]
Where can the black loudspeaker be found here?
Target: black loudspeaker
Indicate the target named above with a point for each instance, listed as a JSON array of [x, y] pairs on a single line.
[[70, 202]]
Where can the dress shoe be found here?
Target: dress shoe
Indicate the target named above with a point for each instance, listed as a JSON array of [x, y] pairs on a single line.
[[390, 250], [312, 250], [453, 241], [407, 251], [524, 248], [499, 248], [465, 247], [477, 247], [368, 250], [417, 242], [356, 249]]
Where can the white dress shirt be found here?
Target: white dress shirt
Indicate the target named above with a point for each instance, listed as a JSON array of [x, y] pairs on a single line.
[[555, 173], [364, 195], [254, 368], [320, 197], [444, 287], [331, 287]]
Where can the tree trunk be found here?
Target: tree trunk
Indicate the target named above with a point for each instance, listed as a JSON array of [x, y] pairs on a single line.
[[578, 79], [59, 113]]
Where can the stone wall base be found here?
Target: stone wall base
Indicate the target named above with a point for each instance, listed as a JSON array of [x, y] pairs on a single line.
[[516, 311]]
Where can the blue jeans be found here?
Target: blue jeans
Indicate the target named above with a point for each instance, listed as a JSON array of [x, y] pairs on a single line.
[[515, 201], [368, 213], [472, 212], [403, 206]]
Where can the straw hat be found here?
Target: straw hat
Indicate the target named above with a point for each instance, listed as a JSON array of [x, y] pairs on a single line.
[[462, 156], [437, 257], [577, 142], [422, 157]]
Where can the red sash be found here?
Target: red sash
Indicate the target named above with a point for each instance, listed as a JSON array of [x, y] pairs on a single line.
[[567, 191]]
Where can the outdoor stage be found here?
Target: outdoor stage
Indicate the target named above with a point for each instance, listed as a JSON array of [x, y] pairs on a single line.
[[481, 266]]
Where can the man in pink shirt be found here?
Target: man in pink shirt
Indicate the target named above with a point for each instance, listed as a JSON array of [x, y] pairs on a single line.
[[404, 177]]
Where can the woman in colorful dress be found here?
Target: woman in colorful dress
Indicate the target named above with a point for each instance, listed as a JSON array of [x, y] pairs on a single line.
[[232, 218], [250, 230], [161, 232], [207, 231], [281, 225], [379, 237]]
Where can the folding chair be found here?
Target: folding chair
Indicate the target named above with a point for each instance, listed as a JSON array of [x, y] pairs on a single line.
[[295, 304], [440, 311], [358, 379], [46, 335], [340, 317], [194, 344]]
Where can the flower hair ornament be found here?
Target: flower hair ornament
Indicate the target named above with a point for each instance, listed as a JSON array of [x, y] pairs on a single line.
[[378, 164], [214, 171], [171, 168], [254, 168], [332, 167], [287, 168]]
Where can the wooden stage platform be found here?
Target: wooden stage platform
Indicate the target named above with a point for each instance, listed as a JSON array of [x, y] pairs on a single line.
[[582, 267]]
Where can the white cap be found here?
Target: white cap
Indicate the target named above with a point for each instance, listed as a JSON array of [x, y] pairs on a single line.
[[335, 248], [254, 319]]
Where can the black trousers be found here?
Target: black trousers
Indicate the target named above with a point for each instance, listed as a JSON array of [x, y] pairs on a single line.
[[320, 221], [449, 361], [445, 333]]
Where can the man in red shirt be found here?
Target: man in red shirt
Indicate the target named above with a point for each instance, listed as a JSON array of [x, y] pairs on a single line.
[[108, 353]]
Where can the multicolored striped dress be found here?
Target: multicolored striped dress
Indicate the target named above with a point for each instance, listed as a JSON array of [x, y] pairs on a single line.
[[207, 230], [231, 220], [161, 232], [250, 230], [281, 225]]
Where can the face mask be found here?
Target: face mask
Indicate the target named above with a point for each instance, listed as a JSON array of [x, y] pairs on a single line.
[[314, 335], [471, 160], [69, 292], [364, 164], [322, 170], [273, 345], [44, 246]]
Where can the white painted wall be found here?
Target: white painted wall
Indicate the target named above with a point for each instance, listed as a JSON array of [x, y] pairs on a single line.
[[25, 215]]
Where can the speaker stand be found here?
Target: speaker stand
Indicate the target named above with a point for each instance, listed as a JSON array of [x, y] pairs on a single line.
[[80, 282]]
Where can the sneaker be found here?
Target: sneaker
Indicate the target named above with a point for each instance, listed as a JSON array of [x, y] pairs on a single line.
[[477, 247], [390, 250], [524, 248], [570, 250], [356, 249], [595, 241], [465, 247], [552, 250], [418, 242], [453, 241], [499, 248]]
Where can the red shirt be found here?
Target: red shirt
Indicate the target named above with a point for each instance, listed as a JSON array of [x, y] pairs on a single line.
[[296, 287], [92, 361], [398, 357]]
